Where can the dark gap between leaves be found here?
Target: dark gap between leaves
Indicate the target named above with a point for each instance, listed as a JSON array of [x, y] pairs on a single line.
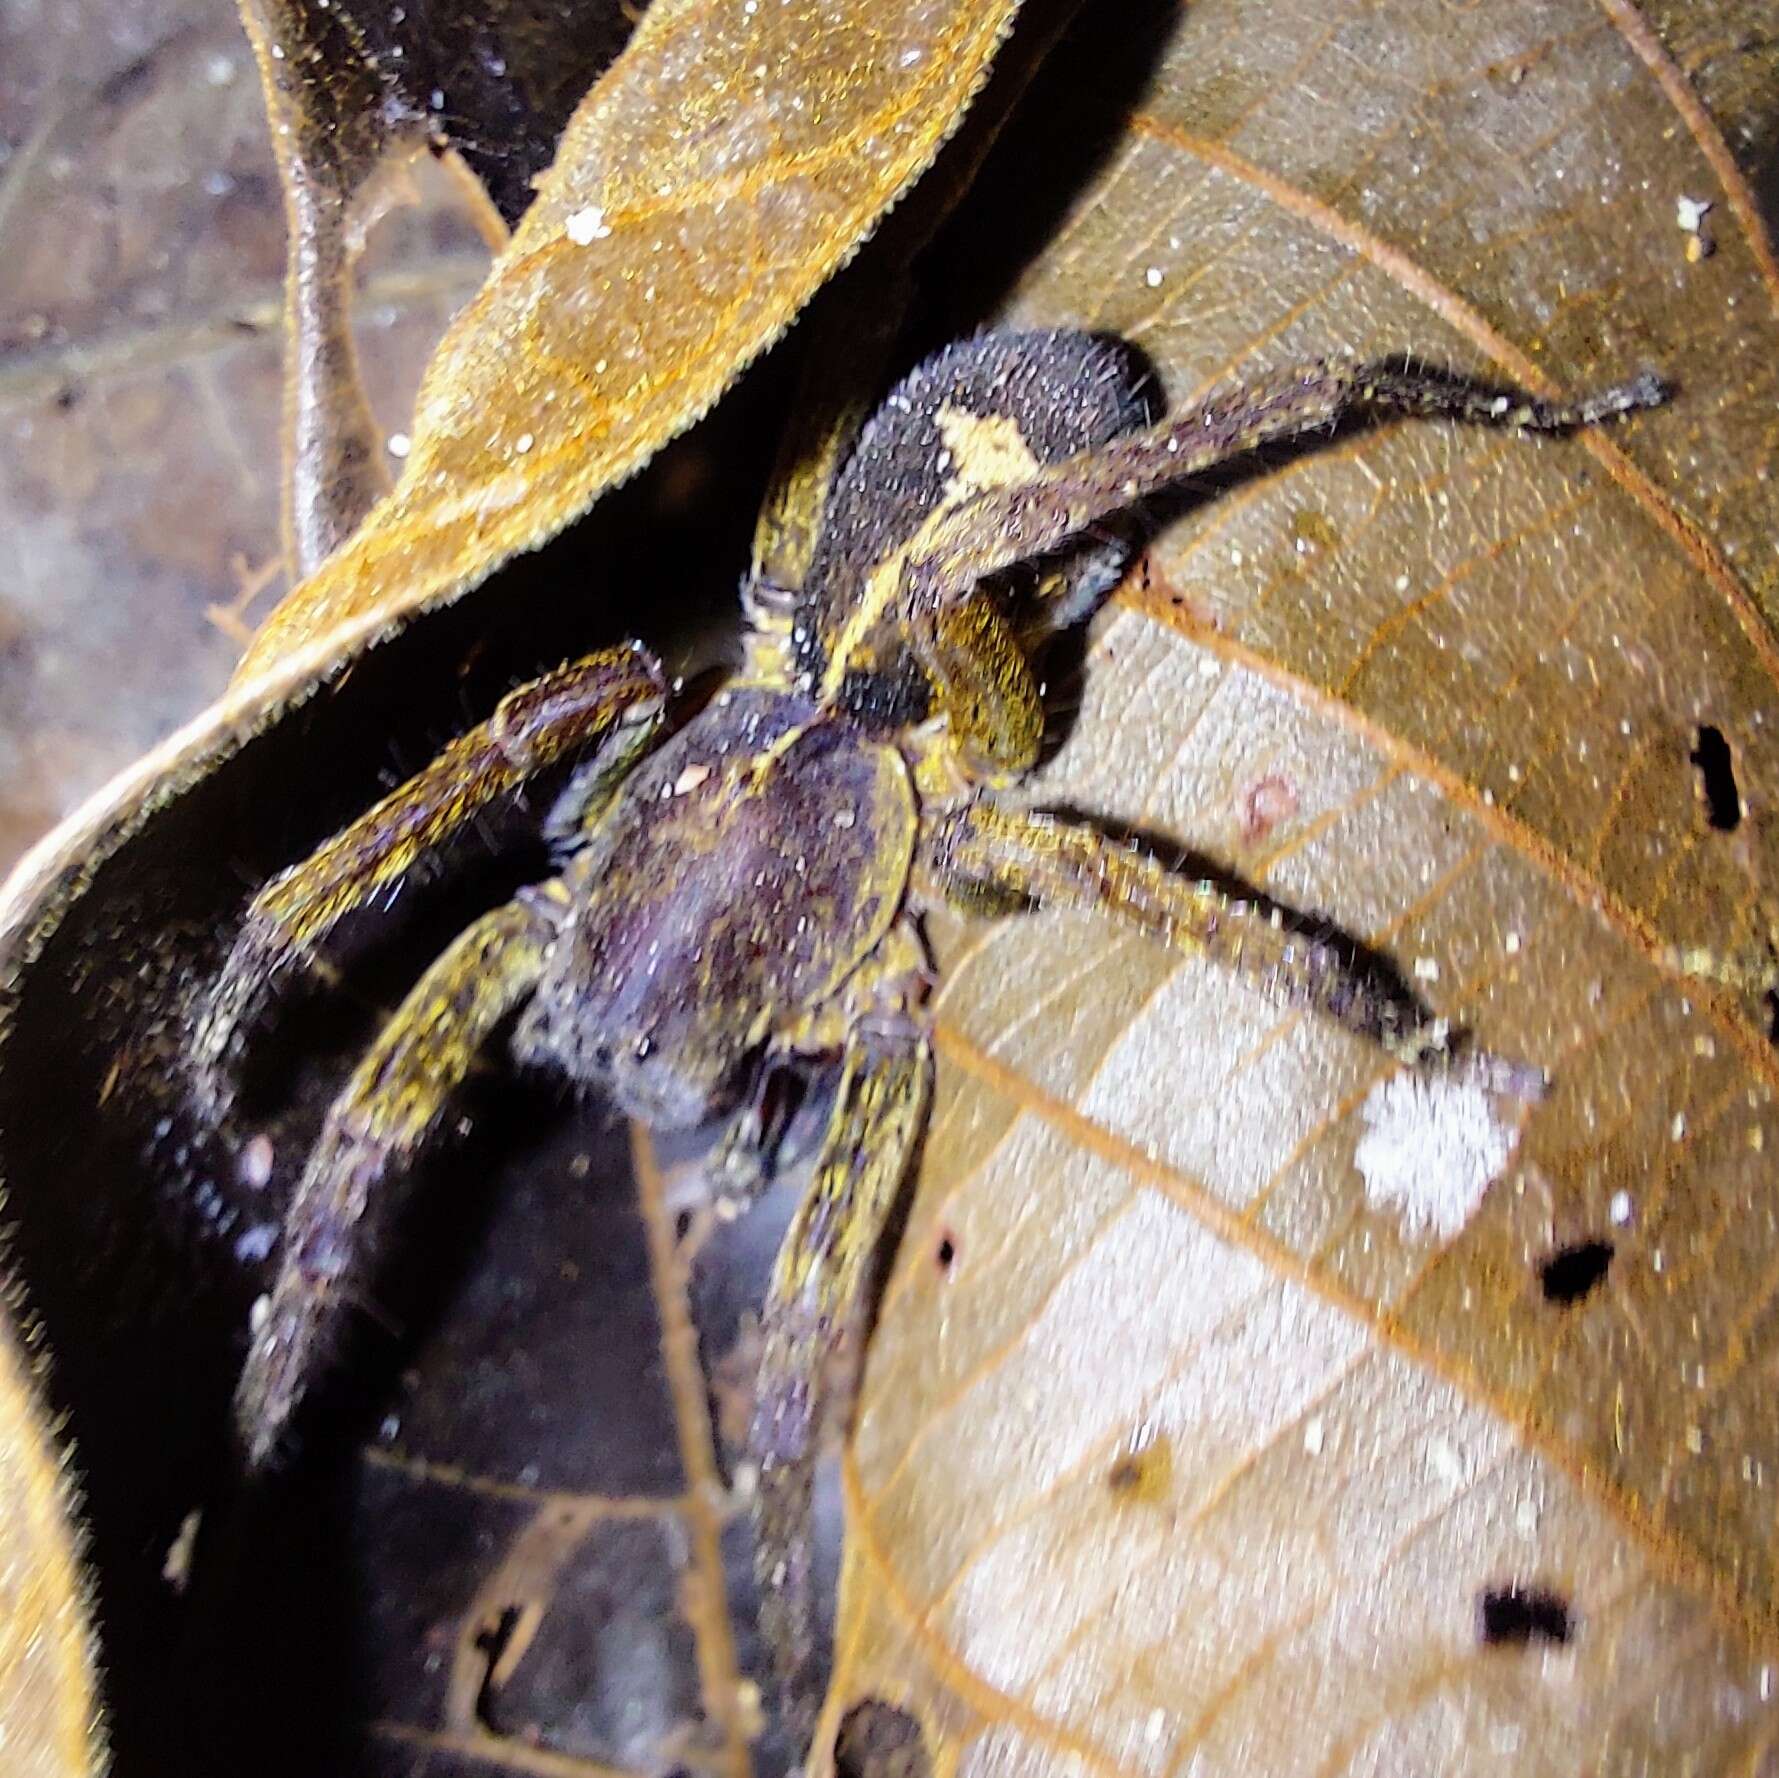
[[1572, 1272], [1717, 779], [1514, 1617], [493, 1643]]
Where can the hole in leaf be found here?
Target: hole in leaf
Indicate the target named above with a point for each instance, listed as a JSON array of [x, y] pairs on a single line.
[[878, 1741], [946, 1252], [1572, 1272], [1717, 779], [1770, 1000], [1513, 1617], [1144, 1473]]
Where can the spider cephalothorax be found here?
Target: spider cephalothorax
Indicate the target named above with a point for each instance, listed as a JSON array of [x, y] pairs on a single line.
[[743, 895]]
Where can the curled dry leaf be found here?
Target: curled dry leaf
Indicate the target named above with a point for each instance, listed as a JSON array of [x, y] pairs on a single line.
[[352, 88], [1201, 1451], [494, 80], [139, 320], [728, 162], [142, 251]]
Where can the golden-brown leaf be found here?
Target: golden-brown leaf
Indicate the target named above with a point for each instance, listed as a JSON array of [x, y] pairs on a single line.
[[712, 181], [49, 1726], [1189, 1442]]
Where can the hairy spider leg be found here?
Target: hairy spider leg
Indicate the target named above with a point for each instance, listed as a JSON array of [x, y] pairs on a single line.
[[847, 355], [986, 848], [611, 702], [389, 1107], [1006, 525], [814, 1306], [982, 679]]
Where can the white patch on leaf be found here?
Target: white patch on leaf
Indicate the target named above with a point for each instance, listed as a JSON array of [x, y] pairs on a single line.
[[586, 226], [1433, 1145]]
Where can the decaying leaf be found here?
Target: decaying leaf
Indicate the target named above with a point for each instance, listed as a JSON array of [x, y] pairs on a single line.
[[1195, 1438], [710, 184]]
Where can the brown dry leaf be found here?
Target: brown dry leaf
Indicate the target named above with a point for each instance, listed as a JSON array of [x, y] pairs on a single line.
[[495, 80], [138, 1279], [1729, 53], [138, 300], [1218, 1384], [709, 185]]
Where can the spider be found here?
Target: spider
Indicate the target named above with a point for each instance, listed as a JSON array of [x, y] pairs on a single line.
[[741, 888]]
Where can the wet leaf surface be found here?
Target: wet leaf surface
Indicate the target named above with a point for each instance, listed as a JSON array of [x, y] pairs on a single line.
[[1349, 1498]]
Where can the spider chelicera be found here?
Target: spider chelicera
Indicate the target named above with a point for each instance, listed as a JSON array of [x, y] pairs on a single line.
[[742, 889]]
